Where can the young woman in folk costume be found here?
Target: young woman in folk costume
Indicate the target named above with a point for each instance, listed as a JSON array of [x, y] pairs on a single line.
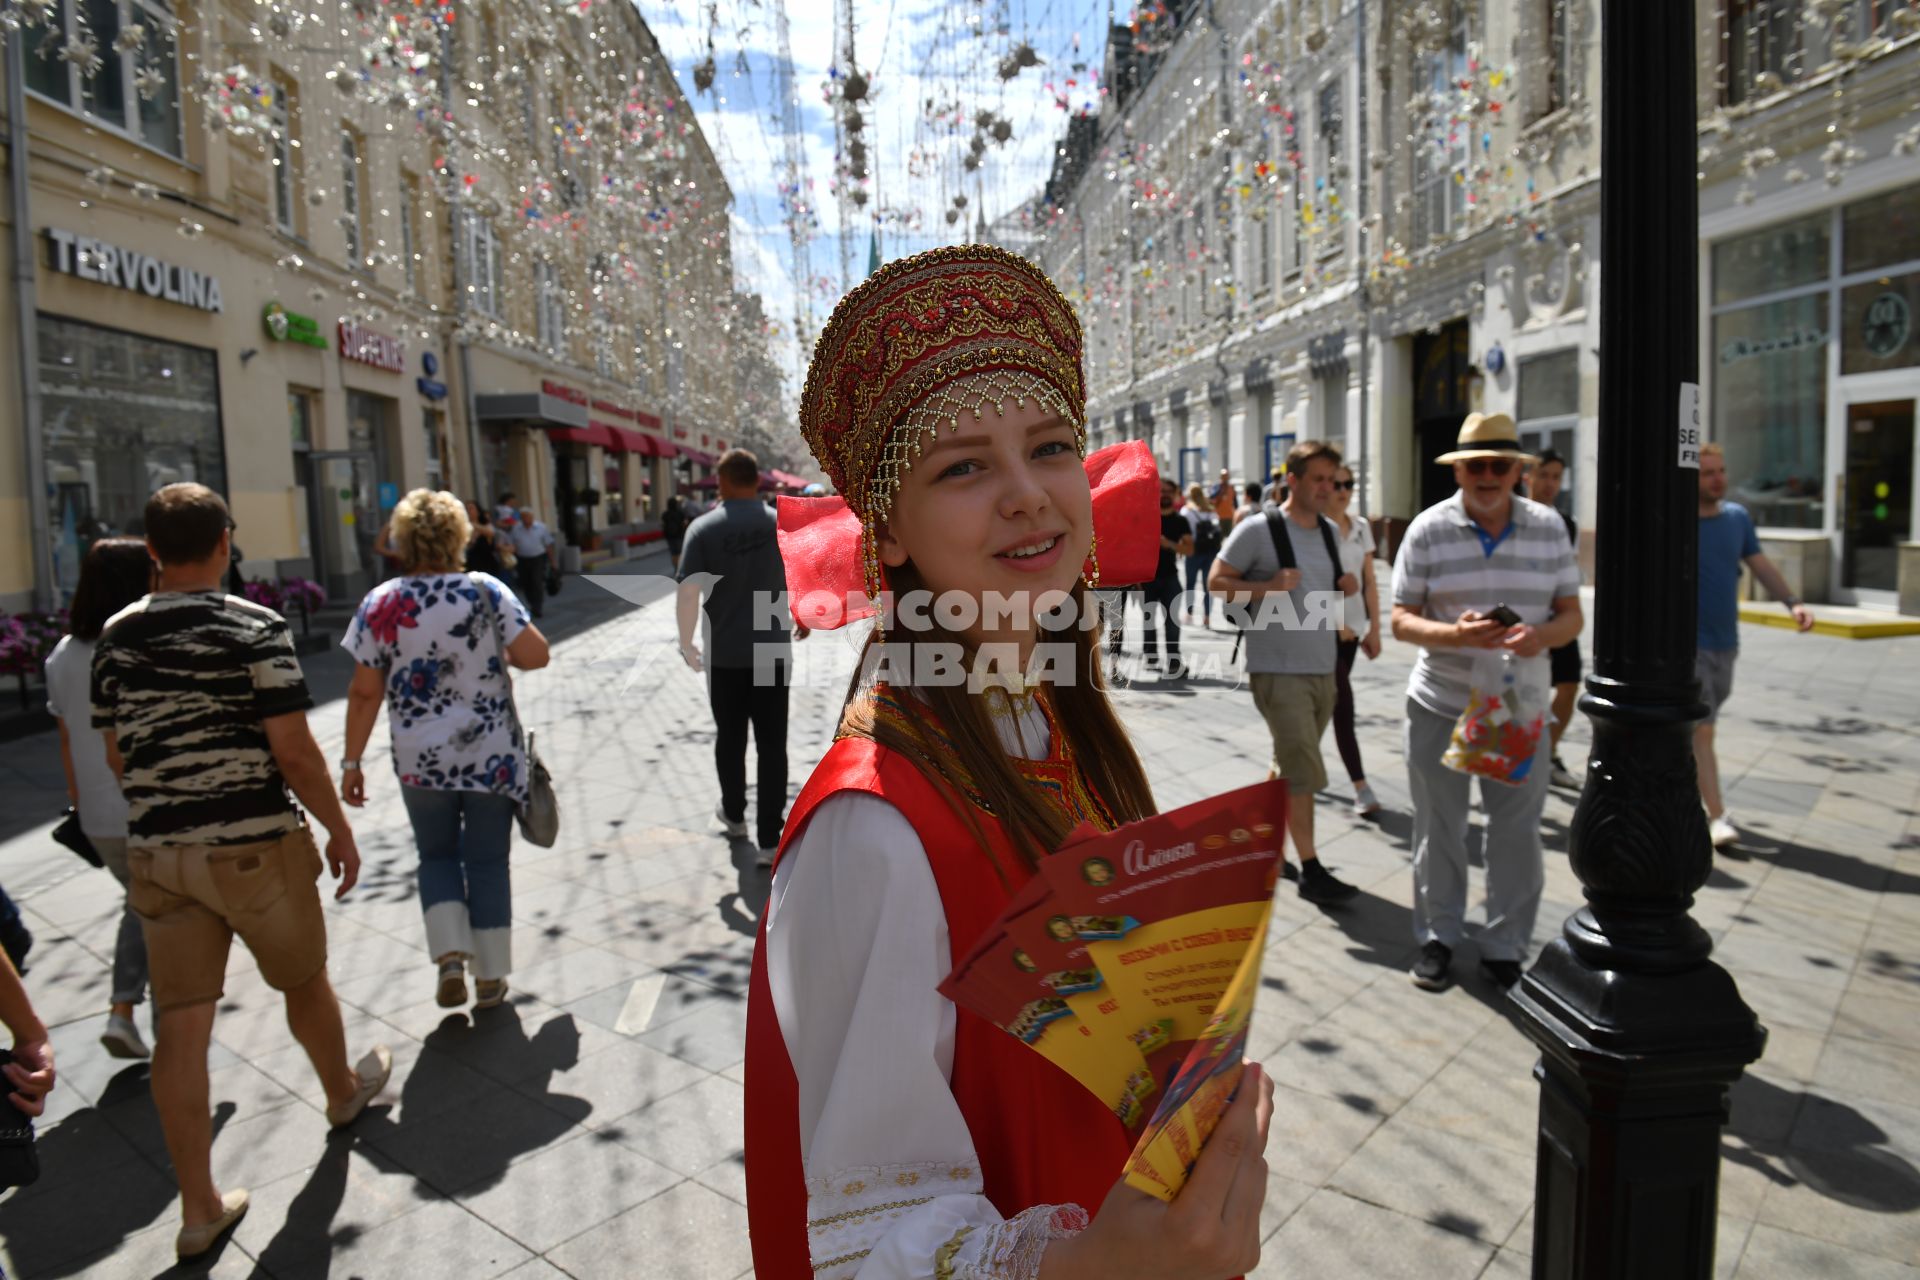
[[890, 1134]]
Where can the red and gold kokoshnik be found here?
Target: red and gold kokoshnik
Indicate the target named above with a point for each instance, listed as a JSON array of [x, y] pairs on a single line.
[[914, 328]]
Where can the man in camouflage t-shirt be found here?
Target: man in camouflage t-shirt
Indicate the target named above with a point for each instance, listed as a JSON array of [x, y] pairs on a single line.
[[203, 708]]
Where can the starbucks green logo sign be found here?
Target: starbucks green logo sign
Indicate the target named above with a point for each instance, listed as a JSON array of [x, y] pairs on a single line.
[[1888, 322], [290, 326]]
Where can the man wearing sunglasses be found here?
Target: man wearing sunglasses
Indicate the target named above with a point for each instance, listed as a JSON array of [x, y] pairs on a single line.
[[1461, 561]]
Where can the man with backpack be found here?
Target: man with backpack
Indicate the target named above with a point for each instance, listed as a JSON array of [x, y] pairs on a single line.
[[1292, 642]]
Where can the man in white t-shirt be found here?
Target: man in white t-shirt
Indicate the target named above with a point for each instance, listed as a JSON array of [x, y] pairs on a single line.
[[533, 543]]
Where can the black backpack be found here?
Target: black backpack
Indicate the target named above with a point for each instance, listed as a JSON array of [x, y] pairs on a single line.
[[1206, 538], [1283, 549]]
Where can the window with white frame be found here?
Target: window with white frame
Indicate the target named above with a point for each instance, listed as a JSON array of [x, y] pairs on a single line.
[[1330, 123], [408, 210], [350, 197], [131, 82], [286, 207], [1440, 152], [550, 299], [480, 253]]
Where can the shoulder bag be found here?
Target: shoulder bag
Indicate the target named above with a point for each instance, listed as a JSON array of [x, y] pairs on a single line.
[[539, 813]]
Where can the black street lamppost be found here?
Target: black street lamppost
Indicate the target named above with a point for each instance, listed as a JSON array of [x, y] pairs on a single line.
[[1641, 1034]]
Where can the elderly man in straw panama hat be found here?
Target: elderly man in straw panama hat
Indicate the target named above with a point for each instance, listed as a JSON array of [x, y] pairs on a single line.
[[1484, 570]]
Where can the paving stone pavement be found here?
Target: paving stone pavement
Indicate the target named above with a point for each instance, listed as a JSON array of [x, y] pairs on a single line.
[[593, 1126]]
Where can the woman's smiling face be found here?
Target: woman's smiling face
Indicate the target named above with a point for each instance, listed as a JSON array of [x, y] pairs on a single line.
[[1002, 504]]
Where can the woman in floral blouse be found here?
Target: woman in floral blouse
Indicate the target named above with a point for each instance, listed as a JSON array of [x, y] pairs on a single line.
[[427, 643]]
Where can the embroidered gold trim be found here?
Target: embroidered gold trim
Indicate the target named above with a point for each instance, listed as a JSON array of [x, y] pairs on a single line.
[[842, 1260], [943, 1258], [861, 1213]]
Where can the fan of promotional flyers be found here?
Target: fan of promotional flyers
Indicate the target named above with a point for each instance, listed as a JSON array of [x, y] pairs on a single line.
[[1132, 962]]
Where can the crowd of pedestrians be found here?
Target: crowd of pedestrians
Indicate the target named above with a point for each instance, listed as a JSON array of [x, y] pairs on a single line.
[[183, 728]]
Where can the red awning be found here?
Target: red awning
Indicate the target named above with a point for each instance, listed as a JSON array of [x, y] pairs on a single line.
[[696, 455], [664, 448], [592, 433]]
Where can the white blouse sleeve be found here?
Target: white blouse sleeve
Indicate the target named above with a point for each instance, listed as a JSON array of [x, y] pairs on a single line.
[[857, 946]]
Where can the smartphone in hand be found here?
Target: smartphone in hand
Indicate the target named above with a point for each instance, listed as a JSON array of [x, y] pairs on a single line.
[[1504, 616]]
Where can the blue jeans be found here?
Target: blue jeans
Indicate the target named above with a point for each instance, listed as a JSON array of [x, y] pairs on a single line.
[[466, 889]]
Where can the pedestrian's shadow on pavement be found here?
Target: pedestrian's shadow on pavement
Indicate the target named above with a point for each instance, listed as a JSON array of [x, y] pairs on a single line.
[[1381, 933], [1843, 1155], [79, 1238], [741, 910], [1841, 868]]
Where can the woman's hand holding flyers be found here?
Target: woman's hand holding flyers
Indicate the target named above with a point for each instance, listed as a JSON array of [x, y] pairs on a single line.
[[1210, 1231]]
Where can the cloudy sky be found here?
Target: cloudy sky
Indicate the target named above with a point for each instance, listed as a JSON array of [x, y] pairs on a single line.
[[934, 65]]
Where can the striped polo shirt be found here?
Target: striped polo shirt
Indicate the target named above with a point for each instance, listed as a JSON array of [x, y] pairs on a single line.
[[1447, 565]]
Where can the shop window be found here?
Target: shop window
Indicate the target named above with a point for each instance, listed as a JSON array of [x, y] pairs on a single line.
[[286, 196], [1881, 232], [122, 415], [1770, 407], [433, 425], [1781, 257], [350, 197], [133, 86], [1876, 324], [1763, 51], [300, 419]]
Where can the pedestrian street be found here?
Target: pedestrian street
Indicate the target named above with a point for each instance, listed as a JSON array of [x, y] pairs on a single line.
[[592, 1126]]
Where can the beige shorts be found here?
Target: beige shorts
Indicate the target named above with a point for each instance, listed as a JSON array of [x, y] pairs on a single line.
[[1297, 710], [192, 899]]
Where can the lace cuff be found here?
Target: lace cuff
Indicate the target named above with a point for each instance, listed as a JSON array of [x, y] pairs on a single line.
[[851, 1210], [1010, 1250]]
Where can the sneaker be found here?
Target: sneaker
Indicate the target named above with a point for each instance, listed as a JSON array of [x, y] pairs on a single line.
[[735, 830], [1288, 871], [1501, 973], [452, 992], [192, 1242], [1722, 831], [122, 1038], [373, 1071], [1321, 887], [1429, 973], [1562, 778], [489, 993], [764, 860], [1365, 803]]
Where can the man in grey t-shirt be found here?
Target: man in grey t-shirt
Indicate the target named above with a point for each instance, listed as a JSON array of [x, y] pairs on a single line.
[[732, 553], [1291, 619]]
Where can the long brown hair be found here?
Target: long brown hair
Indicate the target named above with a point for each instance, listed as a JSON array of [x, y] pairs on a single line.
[[1079, 709]]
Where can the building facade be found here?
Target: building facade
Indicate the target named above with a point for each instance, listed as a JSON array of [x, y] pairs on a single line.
[[313, 296], [1362, 221]]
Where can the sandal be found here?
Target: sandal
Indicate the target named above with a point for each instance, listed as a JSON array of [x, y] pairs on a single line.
[[373, 1071], [453, 985], [192, 1242], [489, 993]]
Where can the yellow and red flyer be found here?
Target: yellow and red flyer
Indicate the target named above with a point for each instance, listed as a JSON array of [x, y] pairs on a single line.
[[1133, 960], [994, 981]]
